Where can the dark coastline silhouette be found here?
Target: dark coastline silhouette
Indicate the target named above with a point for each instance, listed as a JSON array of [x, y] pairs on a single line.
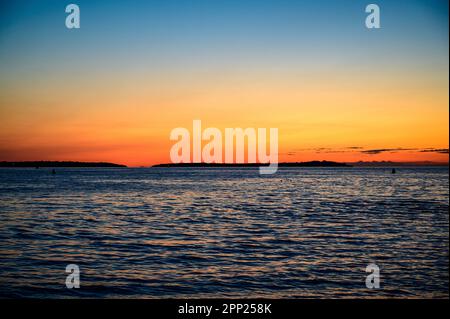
[[38, 164], [397, 164], [287, 164]]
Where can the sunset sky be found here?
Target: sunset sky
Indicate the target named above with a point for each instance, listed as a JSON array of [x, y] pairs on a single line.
[[115, 88]]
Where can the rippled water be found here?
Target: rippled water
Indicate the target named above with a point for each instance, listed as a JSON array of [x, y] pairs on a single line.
[[167, 232]]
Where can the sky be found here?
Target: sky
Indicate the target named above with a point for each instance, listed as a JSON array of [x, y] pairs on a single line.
[[115, 88]]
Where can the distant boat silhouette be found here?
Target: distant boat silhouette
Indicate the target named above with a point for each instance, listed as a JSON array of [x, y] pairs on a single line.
[[393, 171]]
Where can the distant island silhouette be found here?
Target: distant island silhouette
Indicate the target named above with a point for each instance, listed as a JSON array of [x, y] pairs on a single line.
[[58, 164], [285, 164], [390, 163]]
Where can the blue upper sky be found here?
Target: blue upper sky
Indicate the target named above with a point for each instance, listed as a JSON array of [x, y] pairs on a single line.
[[168, 33]]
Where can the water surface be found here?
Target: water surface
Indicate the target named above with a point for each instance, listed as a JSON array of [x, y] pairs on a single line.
[[224, 232]]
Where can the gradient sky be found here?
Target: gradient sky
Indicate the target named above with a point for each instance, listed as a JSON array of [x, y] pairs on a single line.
[[115, 88]]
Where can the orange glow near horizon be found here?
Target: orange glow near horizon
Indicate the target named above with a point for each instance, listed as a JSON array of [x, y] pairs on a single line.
[[329, 119]]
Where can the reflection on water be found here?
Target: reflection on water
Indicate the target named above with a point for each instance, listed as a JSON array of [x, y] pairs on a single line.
[[170, 232]]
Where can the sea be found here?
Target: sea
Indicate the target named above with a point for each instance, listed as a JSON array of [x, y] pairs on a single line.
[[224, 232]]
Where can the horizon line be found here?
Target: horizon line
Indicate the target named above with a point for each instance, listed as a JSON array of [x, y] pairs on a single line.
[[111, 164]]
